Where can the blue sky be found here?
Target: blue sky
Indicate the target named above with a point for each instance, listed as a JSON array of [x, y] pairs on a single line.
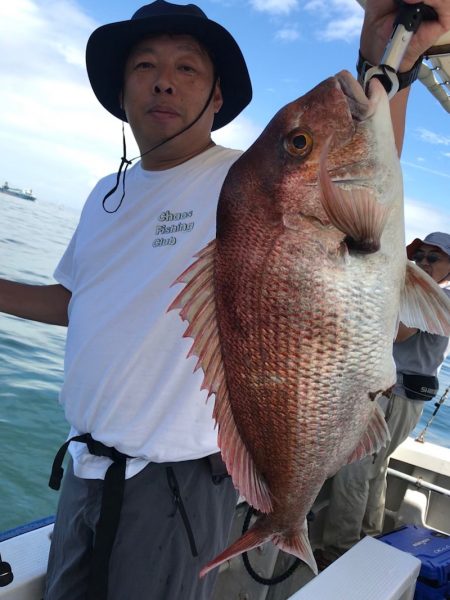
[[57, 139]]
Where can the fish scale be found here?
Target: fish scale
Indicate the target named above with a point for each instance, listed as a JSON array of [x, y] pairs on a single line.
[[301, 292]]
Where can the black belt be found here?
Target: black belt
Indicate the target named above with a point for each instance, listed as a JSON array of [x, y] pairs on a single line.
[[111, 505]]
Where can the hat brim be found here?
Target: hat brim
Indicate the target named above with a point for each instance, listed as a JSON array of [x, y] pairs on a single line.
[[414, 245], [109, 46]]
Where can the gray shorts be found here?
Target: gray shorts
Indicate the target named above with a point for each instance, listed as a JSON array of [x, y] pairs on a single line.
[[153, 553]]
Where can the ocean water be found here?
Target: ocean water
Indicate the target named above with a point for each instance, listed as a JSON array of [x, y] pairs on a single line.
[[33, 237]]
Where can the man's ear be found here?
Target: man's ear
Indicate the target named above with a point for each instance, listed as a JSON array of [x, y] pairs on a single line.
[[217, 97]]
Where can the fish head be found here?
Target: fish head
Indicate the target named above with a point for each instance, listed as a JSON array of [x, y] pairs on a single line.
[[336, 128]]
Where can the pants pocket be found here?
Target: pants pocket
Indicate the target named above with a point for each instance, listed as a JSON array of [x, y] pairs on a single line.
[[179, 506]]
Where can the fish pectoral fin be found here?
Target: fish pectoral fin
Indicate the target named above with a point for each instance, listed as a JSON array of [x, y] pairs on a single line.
[[423, 304], [355, 212], [375, 437]]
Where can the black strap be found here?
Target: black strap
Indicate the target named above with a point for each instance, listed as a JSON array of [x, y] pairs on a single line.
[[108, 522], [57, 471]]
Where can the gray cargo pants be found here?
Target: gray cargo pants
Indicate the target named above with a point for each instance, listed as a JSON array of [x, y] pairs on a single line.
[[358, 491], [152, 556]]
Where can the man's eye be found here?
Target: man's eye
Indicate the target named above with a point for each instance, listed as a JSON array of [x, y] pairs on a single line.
[[187, 69], [143, 65]]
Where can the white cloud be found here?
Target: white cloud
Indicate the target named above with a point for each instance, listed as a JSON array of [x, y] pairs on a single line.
[[54, 135], [341, 19], [335, 19], [39, 33], [274, 6], [445, 174], [240, 133], [433, 138], [315, 6], [287, 34], [346, 29], [421, 219]]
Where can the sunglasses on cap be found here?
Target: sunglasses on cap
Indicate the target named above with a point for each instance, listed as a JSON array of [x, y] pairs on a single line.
[[432, 257]]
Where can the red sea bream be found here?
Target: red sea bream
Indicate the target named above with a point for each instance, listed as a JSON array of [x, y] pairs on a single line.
[[294, 306]]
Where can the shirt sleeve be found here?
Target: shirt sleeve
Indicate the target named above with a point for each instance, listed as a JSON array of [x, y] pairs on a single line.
[[64, 270]]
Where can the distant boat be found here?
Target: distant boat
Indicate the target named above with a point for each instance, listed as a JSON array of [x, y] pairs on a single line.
[[18, 193]]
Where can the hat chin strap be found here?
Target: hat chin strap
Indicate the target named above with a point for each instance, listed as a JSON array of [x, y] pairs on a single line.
[[125, 162]]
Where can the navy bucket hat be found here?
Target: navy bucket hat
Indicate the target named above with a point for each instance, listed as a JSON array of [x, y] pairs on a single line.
[[108, 47], [437, 238]]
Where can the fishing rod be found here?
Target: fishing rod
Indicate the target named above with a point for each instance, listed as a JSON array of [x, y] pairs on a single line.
[[421, 437], [407, 22]]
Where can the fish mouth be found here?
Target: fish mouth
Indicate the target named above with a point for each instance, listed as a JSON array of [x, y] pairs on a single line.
[[361, 106]]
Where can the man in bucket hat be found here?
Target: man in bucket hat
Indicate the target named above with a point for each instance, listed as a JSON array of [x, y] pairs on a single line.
[[145, 501], [359, 490]]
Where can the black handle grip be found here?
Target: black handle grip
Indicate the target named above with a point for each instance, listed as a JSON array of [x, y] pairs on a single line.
[[412, 15]]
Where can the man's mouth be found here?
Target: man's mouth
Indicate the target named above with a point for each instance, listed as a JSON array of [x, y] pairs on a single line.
[[163, 111]]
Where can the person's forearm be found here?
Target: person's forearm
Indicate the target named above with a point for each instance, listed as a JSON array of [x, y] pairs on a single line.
[[404, 333], [398, 117], [44, 303]]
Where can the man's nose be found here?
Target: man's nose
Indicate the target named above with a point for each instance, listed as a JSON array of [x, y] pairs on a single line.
[[161, 89], [163, 83]]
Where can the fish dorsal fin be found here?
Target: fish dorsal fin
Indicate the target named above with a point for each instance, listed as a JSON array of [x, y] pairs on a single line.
[[423, 304], [197, 305], [375, 437]]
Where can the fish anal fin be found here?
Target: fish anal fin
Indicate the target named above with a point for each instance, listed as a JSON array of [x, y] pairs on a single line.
[[355, 212], [423, 304], [375, 436]]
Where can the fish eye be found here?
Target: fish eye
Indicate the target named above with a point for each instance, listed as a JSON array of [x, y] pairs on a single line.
[[299, 143]]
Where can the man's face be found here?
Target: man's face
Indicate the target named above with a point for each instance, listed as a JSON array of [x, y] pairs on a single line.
[[432, 260], [167, 81]]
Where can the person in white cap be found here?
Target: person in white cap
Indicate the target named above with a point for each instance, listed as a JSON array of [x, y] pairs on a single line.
[[358, 491], [145, 501]]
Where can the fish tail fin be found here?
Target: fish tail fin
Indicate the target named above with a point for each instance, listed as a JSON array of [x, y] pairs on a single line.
[[297, 544], [252, 538], [355, 212]]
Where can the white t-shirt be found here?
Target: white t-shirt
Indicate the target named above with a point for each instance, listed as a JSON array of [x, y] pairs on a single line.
[[127, 379]]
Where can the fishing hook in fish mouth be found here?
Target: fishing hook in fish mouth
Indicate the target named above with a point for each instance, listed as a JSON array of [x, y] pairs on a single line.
[[362, 106]]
